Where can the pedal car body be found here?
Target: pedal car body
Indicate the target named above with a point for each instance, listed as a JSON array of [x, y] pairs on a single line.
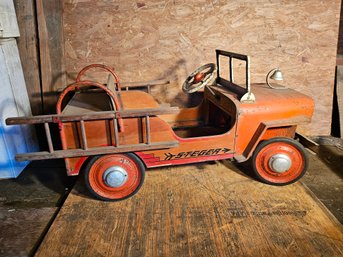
[[115, 134]]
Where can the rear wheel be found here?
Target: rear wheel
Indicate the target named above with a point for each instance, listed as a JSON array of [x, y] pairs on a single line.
[[114, 177], [279, 161]]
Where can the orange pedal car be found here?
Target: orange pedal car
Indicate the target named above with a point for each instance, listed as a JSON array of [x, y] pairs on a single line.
[[114, 135]]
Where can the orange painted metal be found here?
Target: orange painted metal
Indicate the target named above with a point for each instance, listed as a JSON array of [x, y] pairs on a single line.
[[264, 156], [102, 67], [67, 130], [256, 122], [99, 167], [283, 109], [276, 113], [279, 111], [237, 127]]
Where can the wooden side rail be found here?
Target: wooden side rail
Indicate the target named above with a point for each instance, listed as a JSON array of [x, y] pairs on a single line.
[[94, 151], [55, 118], [81, 118], [126, 86], [147, 84]]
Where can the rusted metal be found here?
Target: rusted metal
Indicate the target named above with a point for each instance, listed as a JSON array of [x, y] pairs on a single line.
[[103, 67], [77, 85]]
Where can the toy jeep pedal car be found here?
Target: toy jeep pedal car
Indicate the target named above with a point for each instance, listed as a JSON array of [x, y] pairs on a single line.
[[114, 134]]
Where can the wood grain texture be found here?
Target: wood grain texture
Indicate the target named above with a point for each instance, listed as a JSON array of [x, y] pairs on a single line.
[[28, 49], [340, 33], [21, 228], [149, 40], [91, 116], [51, 51], [203, 210], [339, 93]]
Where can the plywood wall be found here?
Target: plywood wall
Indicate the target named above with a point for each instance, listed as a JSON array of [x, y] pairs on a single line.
[[147, 40], [340, 34]]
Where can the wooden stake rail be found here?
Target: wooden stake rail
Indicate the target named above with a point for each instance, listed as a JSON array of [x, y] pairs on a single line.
[[94, 151], [148, 84], [55, 118], [126, 86], [92, 116]]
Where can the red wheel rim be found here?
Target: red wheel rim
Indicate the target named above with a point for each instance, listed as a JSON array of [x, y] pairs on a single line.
[[103, 164], [266, 153]]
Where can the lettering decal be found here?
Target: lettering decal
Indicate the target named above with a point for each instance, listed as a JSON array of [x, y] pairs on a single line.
[[198, 153]]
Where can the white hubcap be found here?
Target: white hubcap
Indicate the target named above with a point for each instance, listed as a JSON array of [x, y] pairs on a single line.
[[280, 163], [115, 176]]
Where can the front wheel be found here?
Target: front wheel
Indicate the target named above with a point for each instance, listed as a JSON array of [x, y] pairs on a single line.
[[114, 177], [279, 161]]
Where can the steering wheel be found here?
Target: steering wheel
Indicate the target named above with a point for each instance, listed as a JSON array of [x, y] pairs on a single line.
[[199, 78]]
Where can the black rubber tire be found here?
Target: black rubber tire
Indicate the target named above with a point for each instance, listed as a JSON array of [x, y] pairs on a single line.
[[286, 140], [96, 195]]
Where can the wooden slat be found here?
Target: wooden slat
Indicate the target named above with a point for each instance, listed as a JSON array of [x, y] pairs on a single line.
[[91, 116], [83, 135], [8, 21], [13, 102], [128, 85], [125, 85], [51, 50], [94, 151], [201, 211], [48, 137], [115, 128], [28, 49], [147, 129]]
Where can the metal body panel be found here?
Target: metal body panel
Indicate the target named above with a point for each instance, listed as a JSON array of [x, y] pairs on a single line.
[[188, 150], [273, 108], [223, 126]]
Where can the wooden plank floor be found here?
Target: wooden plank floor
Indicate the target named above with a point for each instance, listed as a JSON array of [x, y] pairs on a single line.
[[204, 210], [21, 228]]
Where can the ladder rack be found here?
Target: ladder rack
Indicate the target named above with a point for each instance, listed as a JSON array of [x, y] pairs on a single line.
[[92, 116]]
